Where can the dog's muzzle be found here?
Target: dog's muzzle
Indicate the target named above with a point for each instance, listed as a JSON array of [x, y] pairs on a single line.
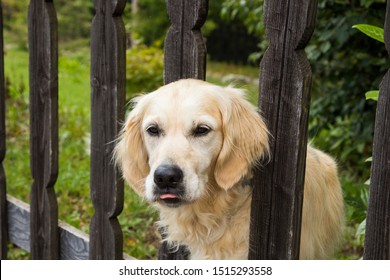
[[168, 180]]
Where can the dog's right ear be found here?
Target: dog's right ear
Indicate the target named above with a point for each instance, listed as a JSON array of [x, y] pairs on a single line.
[[245, 139], [130, 152]]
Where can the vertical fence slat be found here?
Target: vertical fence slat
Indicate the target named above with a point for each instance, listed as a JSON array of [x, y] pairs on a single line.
[[377, 239], [284, 96], [108, 81], [43, 74], [3, 192], [184, 57], [185, 49]]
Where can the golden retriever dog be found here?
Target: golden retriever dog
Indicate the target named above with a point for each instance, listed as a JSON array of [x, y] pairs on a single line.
[[188, 148]]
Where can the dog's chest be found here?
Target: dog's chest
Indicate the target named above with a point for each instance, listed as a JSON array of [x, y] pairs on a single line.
[[210, 235]]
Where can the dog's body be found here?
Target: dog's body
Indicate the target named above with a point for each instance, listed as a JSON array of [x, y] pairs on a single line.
[[189, 147]]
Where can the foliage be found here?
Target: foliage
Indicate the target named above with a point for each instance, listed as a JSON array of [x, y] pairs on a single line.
[[227, 39], [372, 94], [341, 122], [250, 13], [339, 59], [144, 69], [151, 21], [374, 32], [74, 19], [15, 21]]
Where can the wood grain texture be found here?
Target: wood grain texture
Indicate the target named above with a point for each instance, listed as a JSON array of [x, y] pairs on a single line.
[[43, 75], [284, 96], [74, 243], [377, 239], [184, 57], [18, 222], [108, 81], [185, 49], [3, 190]]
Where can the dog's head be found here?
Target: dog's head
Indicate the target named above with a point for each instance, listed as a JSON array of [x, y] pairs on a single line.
[[186, 136]]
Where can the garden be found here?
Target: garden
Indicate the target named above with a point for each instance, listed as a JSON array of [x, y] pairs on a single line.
[[347, 69]]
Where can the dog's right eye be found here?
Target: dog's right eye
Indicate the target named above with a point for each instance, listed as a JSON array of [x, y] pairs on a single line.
[[153, 130]]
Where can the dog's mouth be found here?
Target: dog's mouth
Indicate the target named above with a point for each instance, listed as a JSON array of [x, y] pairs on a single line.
[[170, 200]]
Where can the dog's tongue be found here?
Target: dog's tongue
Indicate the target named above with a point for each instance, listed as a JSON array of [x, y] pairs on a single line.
[[167, 195]]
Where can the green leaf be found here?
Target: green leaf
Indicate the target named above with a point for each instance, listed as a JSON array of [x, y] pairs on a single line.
[[374, 32], [372, 94], [361, 229]]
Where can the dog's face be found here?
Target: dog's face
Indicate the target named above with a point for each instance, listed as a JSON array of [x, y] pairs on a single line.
[[187, 136]]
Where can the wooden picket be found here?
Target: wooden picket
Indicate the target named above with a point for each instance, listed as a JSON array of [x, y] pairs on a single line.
[[377, 239], [43, 73], [108, 85], [185, 49], [284, 96], [3, 191]]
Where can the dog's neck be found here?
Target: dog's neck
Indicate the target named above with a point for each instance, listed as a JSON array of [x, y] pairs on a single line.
[[210, 221]]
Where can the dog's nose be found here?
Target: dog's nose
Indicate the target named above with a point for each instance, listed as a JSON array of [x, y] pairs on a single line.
[[168, 176]]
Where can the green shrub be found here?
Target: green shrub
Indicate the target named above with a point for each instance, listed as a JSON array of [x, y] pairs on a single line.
[[144, 69]]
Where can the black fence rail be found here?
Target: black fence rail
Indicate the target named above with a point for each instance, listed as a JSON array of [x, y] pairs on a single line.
[[284, 99]]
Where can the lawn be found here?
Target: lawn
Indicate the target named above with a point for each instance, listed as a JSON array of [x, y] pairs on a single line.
[[72, 187]]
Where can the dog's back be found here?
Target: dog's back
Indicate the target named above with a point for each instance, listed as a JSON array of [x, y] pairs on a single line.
[[323, 209]]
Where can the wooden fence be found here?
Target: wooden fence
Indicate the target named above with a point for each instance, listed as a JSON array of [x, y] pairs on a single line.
[[284, 97]]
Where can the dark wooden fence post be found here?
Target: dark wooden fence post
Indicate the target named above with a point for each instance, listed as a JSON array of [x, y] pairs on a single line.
[[377, 239], [108, 82], [284, 96], [3, 192], [42, 27], [184, 57], [185, 49]]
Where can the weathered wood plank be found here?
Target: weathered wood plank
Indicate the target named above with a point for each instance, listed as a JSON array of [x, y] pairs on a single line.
[[108, 81], [284, 96], [74, 243], [377, 239], [185, 49], [43, 75], [184, 57], [18, 222], [3, 191]]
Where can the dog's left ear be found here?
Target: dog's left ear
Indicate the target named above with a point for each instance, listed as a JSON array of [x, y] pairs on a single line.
[[245, 139], [130, 153]]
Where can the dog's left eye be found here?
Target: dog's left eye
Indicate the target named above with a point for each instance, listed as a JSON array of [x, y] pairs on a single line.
[[201, 130], [153, 130]]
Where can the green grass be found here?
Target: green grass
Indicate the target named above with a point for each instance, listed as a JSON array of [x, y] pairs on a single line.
[[72, 187]]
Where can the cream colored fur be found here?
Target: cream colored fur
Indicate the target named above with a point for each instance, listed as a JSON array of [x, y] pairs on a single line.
[[213, 221]]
